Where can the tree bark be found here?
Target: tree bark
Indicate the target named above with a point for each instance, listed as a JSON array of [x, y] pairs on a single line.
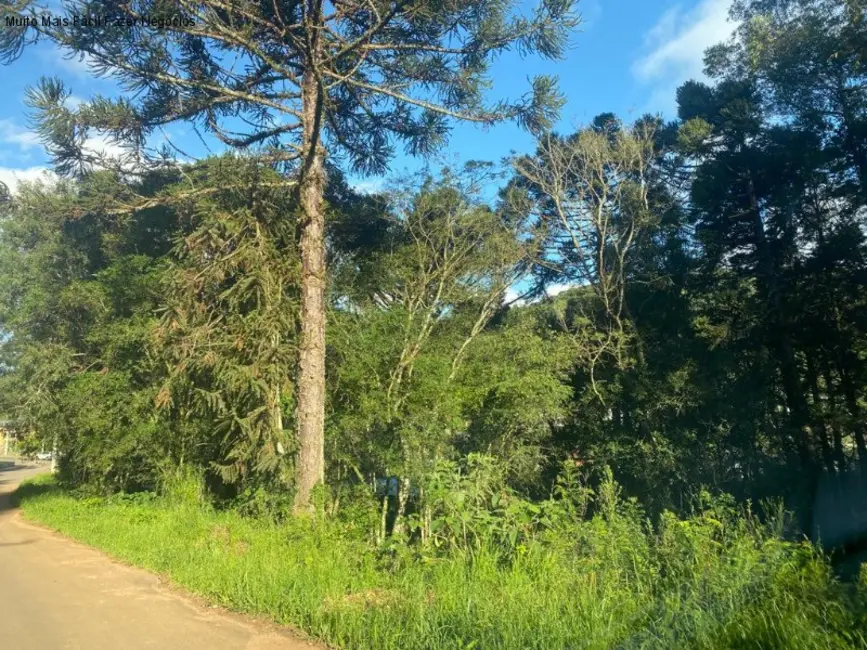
[[310, 462], [399, 528], [853, 145], [819, 417], [781, 342], [859, 430], [839, 454], [383, 519]]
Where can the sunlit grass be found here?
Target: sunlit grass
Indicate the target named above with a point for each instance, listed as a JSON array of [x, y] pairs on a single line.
[[614, 584]]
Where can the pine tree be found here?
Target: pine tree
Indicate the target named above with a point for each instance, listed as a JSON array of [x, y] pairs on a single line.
[[308, 80]]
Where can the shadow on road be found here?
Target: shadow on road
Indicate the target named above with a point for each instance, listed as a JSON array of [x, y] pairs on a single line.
[[26, 542], [11, 473], [8, 470]]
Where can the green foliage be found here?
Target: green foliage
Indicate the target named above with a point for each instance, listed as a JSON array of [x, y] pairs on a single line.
[[227, 329], [710, 331], [80, 289], [419, 370], [383, 73], [183, 487], [586, 571]]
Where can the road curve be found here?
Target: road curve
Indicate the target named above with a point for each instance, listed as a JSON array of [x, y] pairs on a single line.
[[56, 594]]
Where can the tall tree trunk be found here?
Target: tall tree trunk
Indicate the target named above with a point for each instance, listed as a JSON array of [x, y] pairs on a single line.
[[852, 144], [781, 343], [310, 463], [277, 436], [839, 453], [399, 528], [819, 417], [859, 428]]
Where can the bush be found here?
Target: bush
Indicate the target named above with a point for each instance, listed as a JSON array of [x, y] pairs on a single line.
[[184, 487]]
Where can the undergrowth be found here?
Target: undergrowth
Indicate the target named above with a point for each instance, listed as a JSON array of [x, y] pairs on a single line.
[[583, 569]]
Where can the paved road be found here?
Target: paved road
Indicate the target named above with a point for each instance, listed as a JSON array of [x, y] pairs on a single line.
[[59, 595]]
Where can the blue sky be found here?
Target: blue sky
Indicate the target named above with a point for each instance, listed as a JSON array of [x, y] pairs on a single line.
[[628, 57]]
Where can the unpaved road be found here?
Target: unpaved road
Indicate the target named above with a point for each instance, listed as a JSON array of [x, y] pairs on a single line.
[[59, 595]]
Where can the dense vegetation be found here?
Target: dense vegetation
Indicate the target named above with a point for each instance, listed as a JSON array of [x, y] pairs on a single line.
[[504, 468], [719, 579]]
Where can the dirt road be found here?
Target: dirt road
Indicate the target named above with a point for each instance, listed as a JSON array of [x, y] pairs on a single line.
[[59, 595]]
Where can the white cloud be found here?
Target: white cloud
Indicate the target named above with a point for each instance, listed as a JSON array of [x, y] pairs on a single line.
[[21, 140], [591, 14], [77, 65], [102, 145], [516, 290], [369, 186], [98, 146], [12, 133], [13, 177], [558, 288], [512, 294], [107, 154], [675, 45]]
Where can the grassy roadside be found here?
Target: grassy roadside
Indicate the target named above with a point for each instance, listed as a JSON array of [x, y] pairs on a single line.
[[683, 587]]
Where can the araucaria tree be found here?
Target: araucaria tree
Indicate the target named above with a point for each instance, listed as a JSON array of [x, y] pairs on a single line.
[[587, 198], [308, 80]]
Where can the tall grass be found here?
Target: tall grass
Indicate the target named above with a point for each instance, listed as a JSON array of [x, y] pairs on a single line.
[[718, 579]]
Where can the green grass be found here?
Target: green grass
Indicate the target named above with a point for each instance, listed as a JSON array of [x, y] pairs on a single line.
[[610, 582]]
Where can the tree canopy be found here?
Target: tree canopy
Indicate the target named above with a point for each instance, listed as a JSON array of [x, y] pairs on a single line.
[[711, 329]]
